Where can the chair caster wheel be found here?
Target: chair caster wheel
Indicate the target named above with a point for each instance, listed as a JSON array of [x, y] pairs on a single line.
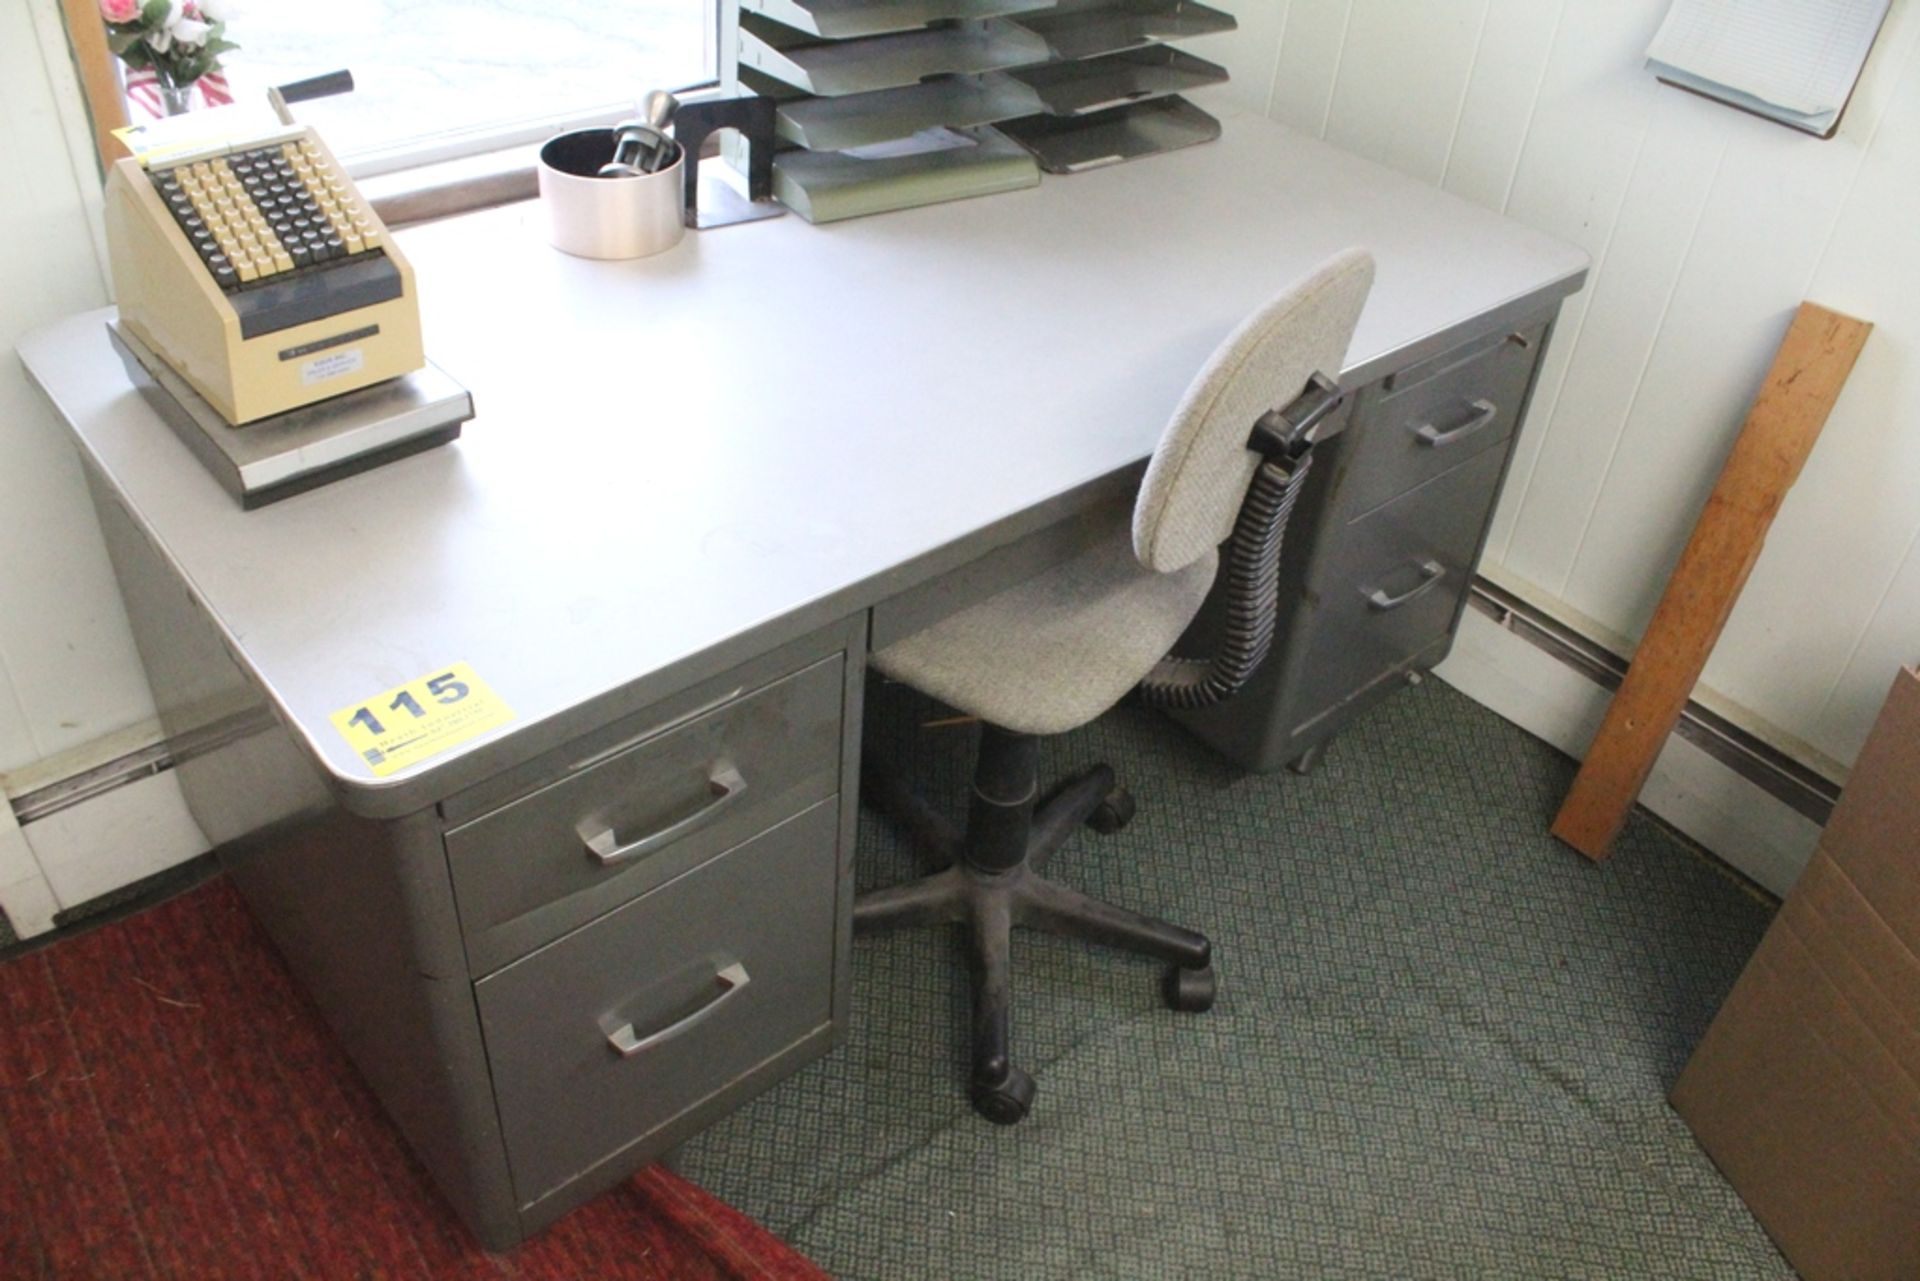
[[1008, 1102], [1114, 812], [1189, 990]]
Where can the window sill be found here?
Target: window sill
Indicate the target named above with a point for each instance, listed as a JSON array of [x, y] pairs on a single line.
[[424, 192], [452, 187]]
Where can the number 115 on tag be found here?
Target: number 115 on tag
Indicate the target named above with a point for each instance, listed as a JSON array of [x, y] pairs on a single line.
[[420, 719]]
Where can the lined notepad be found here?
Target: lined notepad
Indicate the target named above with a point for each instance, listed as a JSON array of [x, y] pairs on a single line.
[[1794, 61]]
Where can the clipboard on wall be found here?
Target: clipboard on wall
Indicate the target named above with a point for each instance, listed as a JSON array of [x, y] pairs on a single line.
[[1794, 62]]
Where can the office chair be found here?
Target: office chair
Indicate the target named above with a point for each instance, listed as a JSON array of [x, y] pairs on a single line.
[[1053, 653]]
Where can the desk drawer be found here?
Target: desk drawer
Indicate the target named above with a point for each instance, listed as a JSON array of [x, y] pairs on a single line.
[[1429, 418], [527, 873], [738, 966], [1392, 587]]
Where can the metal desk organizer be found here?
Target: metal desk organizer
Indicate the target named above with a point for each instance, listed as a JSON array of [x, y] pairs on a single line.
[[886, 106], [711, 199]]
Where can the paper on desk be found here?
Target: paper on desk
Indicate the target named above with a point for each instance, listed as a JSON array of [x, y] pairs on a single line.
[[927, 140], [199, 132], [1794, 60]]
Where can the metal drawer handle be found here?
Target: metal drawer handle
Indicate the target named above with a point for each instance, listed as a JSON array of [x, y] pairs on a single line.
[[1484, 412], [729, 980], [727, 787], [1430, 575]]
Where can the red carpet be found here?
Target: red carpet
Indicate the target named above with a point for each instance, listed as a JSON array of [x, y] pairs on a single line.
[[171, 1106]]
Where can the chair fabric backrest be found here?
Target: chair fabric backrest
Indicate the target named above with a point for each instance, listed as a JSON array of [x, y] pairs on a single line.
[[1200, 470]]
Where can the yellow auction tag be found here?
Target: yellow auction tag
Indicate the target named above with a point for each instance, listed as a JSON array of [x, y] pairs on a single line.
[[412, 722]]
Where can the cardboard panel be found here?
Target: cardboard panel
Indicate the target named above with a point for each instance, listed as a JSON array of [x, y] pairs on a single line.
[[1874, 834], [1822, 973], [1806, 1089], [1871, 968]]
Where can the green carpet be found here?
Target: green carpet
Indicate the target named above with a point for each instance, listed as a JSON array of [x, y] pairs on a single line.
[[1441, 1049]]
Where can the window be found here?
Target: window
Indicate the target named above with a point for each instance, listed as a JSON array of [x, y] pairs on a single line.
[[440, 78]]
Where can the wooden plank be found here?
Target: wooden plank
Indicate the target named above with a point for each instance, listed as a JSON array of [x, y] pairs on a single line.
[[99, 80], [1812, 365]]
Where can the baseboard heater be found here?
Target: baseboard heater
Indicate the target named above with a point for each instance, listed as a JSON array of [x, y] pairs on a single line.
[[46, 801], [1767, 767], [131, 767], [1805, 790]]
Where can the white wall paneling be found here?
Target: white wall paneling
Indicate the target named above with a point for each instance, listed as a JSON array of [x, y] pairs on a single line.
[[1838, 594], [1307, 64], [1426, 52], [66, 657], [1248, 53], [1707, 227], [1497, 109], [1863, 478], [70, 681]]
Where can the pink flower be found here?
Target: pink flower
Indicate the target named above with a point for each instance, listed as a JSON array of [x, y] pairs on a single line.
[[119, 10]]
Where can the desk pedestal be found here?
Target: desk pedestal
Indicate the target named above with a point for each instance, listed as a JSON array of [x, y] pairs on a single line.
[[1382, 548], [541, 1019]]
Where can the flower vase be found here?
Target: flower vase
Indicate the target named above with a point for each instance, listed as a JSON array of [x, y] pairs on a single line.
[[176, 100]]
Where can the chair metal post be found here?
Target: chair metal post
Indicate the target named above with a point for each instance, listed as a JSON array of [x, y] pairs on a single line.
[[1006, 780]]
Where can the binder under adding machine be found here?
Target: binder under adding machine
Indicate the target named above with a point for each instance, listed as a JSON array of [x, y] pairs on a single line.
[[264, 310]]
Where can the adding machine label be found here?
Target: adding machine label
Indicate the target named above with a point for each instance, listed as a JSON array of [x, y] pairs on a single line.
[[334, 340], [423, 718], [332, 365]]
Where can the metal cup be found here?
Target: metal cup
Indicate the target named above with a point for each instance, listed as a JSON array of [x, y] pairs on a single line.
[[628, 216]]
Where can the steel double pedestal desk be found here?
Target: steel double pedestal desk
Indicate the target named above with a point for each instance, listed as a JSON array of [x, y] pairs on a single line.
[[698, 487]]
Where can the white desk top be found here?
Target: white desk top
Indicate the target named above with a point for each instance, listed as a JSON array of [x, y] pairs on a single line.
[[681, 460]]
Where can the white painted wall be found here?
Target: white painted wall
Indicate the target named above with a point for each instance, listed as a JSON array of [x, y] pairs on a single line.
[[69, 676], [1707, 227], [68, 671]]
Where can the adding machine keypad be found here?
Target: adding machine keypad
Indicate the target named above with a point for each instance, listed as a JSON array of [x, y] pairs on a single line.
[[256, 215]]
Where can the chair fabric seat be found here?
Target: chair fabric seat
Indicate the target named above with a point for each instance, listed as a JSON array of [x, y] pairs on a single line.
[[1052, 653]]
